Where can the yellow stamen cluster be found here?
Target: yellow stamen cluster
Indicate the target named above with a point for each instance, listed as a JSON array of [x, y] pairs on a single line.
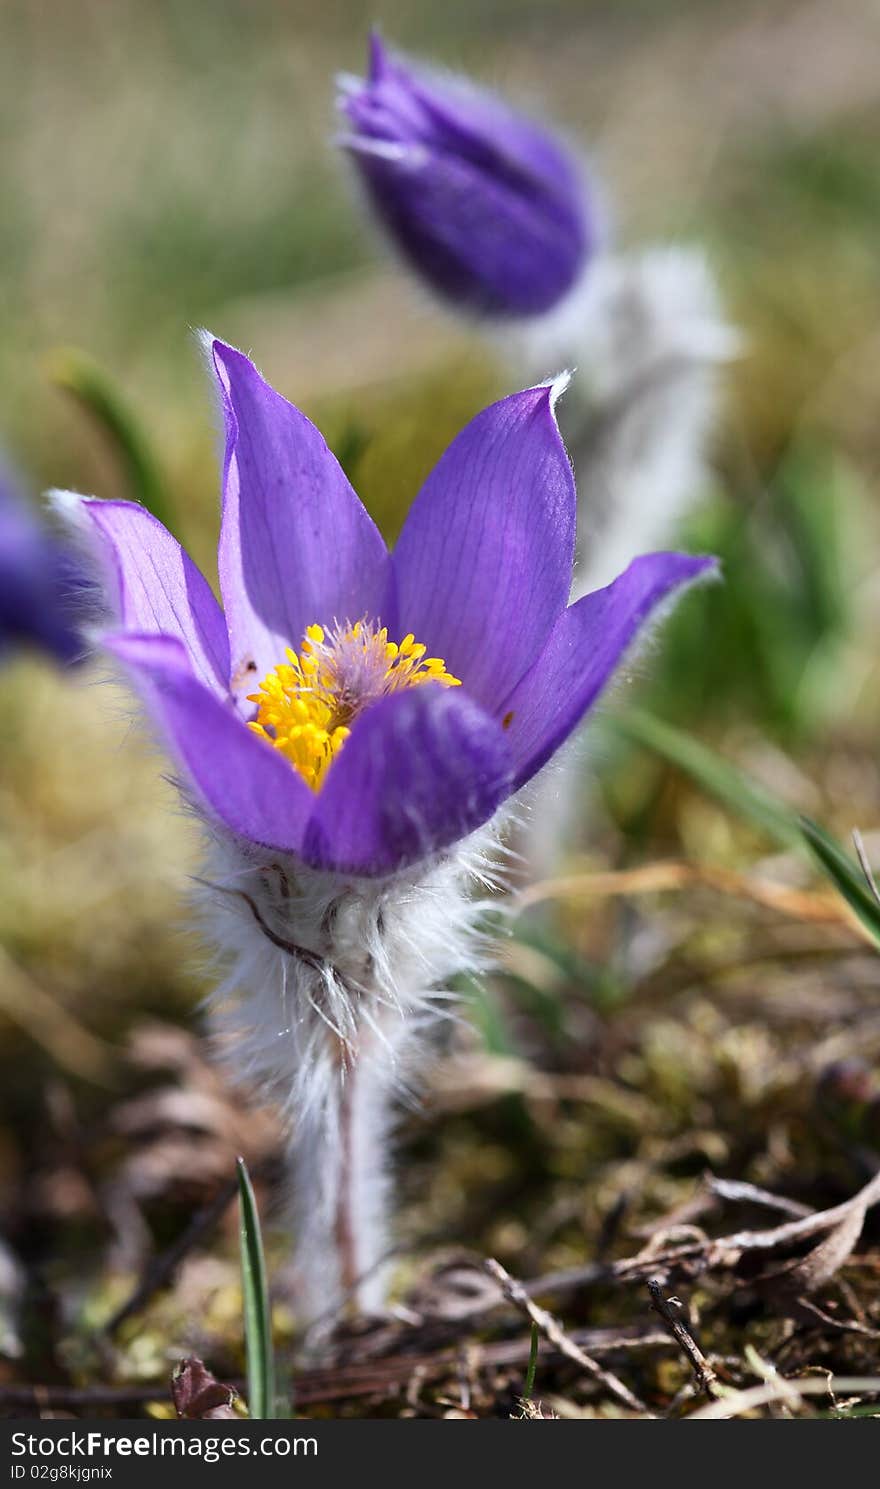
[[306, 705]]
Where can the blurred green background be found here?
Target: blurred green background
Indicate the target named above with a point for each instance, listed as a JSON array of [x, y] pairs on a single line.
[[167, 165]]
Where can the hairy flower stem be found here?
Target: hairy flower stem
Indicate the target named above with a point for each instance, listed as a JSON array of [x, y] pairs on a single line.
[[340, 1185], [330, 988], [346, 1239]]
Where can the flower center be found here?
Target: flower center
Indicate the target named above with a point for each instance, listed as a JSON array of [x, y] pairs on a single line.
[[306, 705]]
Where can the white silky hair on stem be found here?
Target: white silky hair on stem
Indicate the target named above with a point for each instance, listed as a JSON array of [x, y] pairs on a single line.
[[330, 987], [647, 335]]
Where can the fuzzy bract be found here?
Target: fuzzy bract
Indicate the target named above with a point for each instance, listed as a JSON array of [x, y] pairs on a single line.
[[487, 206], [649, 333], [329, 994]]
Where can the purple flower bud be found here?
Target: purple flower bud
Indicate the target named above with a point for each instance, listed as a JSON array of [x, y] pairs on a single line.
[[41, 583], [489, 208]]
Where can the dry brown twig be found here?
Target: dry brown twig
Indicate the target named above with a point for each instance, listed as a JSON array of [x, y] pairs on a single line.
[[819, 907], [669, 1310], [822, 1262], [736, 1403], [848, 1216], [346, 1380], [554, 1332], [739, 1190], [706, 1250]]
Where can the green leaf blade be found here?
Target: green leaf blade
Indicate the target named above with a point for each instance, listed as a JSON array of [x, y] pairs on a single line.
[[710, 771], [846, 876], [255, 1293], [87, 382]]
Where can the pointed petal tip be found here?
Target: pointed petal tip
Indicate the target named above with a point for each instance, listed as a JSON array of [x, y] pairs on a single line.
[[205, 341], [545, 394], [673, 569], [216, 356], [224, 362], [377, 55], [221, 353], [70, 507], [548, 393], [707, 569], [221, 357], [696, 565], [387, 150], [559, 385]]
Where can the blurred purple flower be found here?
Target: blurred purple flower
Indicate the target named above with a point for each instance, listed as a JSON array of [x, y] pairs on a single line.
[[487, 206], [41, 583], [481, 575]]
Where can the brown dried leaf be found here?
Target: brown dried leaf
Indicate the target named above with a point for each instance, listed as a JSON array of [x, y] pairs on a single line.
[[198, 1395], [821, 1264], [839, 1217]]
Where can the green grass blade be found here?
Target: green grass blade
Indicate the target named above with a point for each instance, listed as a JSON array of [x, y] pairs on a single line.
[[846, 875], [745, 797], [78, 375], [257, 1319], [529, 1387], [710, 771]]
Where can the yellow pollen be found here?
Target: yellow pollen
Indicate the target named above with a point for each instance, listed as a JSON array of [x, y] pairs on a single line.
[[306, 705]]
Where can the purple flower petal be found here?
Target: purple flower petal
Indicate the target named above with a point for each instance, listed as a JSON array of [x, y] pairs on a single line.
[[585, 648], [422, 769], [160, 590], [246, 784], [483, 565], [296, 544]]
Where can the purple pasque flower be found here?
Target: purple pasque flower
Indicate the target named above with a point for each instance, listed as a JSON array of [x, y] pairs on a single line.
[[487, 206], [41, 582], [357, 709]]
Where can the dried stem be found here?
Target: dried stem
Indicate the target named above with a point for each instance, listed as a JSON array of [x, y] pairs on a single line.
[[669, 1311], [553, 1330]]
